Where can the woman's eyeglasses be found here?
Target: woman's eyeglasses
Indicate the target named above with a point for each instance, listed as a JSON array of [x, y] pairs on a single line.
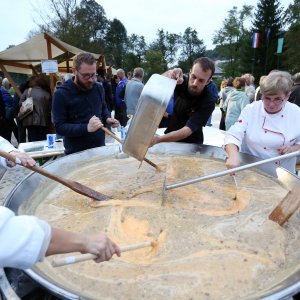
[[275, 101]]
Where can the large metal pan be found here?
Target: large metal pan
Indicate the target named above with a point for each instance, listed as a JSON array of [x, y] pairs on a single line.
[[151, 107], [23, 191]]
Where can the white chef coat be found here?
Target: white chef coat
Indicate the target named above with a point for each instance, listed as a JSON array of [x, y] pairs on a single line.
[[5, 146], [23, 239], [261, 134]]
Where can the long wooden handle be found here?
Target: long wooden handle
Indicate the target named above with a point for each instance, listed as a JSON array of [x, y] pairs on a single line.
[[121, 142], [73, 185], [36, 169], [88, 256]]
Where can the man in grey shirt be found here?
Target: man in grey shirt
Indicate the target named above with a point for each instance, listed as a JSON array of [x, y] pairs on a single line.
[[133, 90]]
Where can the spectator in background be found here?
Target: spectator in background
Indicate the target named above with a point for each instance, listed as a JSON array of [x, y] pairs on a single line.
[[295, 93], [120, 105], [235, 102], [21, 130], [225, 91], [249, 88], [9, 109], [129, 75], [133, 90], [257, 95], [5, 130], [107, 89], [167, 115], [38, 121], [212, 88]]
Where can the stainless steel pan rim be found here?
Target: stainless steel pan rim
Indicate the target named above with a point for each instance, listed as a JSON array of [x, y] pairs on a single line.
[[25, 188]]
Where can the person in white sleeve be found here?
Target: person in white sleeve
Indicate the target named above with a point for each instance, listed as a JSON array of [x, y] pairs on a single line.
[[269, 127], [26, 240]]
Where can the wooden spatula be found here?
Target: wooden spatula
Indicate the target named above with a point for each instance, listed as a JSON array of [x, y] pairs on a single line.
[[288, 205], [73, 185]]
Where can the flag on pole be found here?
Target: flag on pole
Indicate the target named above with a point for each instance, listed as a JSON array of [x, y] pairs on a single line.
[[255, 39], [268, 34], [279, 45]]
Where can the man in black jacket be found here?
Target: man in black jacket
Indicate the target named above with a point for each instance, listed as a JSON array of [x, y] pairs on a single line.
[[79, 108], [193, 103]]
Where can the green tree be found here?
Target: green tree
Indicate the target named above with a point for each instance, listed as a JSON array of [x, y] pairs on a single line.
[[268, 21], [167, 44], [135, 52], [291, 56], [91, 25], [191, 47], [115, 43], [228, 39], [83, 25], [154, 63]]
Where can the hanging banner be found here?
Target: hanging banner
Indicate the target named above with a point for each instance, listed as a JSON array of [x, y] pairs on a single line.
[[279, 45], [255, 39]]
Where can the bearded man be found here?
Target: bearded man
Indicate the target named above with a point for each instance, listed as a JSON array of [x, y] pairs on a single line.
[[193, 103], [79, 109]]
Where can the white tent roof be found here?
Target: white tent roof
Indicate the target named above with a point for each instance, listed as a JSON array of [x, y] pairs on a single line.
[[31, 52]]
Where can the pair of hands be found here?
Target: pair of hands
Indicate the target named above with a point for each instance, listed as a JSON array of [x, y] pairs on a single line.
[[95, 123]]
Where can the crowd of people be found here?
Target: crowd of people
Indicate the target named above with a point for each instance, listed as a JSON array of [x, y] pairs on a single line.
[[262, 121]]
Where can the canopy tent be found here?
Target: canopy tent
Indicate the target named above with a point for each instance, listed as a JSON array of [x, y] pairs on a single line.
[[25, 57]]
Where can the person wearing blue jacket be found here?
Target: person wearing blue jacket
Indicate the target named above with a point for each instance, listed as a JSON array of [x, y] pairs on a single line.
[[79, 109]]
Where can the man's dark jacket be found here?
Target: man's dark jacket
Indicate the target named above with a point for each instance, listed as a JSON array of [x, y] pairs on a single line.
[[72, 109], [191, 111]]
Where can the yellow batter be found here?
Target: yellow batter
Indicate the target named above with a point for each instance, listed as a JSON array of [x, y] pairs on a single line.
[[209, 245]]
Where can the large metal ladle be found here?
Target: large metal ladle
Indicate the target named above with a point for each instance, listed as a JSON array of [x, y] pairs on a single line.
[[231, 171]]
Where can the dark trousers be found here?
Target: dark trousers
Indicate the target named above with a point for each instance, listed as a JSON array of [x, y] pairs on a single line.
[[222, 121], [5, 130], [13, 128], [37, 133], [121, 114]]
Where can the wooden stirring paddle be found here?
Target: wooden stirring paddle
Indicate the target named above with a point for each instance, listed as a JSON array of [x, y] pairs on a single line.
[[73, 185], [121, 142], [88, 256], [288, 205]]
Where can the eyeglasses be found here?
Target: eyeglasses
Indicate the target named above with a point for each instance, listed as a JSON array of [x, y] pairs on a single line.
[[275, 101], [88, 76]]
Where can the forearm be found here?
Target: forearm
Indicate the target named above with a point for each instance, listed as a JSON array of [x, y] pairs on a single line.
[[233, 159], [65, 241], [231, 149], [177, 135]]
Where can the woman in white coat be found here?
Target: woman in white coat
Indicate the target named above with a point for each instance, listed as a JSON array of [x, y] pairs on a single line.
[[269, 127], [26, 240]]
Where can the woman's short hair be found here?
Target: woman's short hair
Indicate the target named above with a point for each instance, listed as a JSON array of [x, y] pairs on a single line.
[[276, 82], [239, 82]]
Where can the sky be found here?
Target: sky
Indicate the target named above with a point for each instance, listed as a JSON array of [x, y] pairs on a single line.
[[142, 17]]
